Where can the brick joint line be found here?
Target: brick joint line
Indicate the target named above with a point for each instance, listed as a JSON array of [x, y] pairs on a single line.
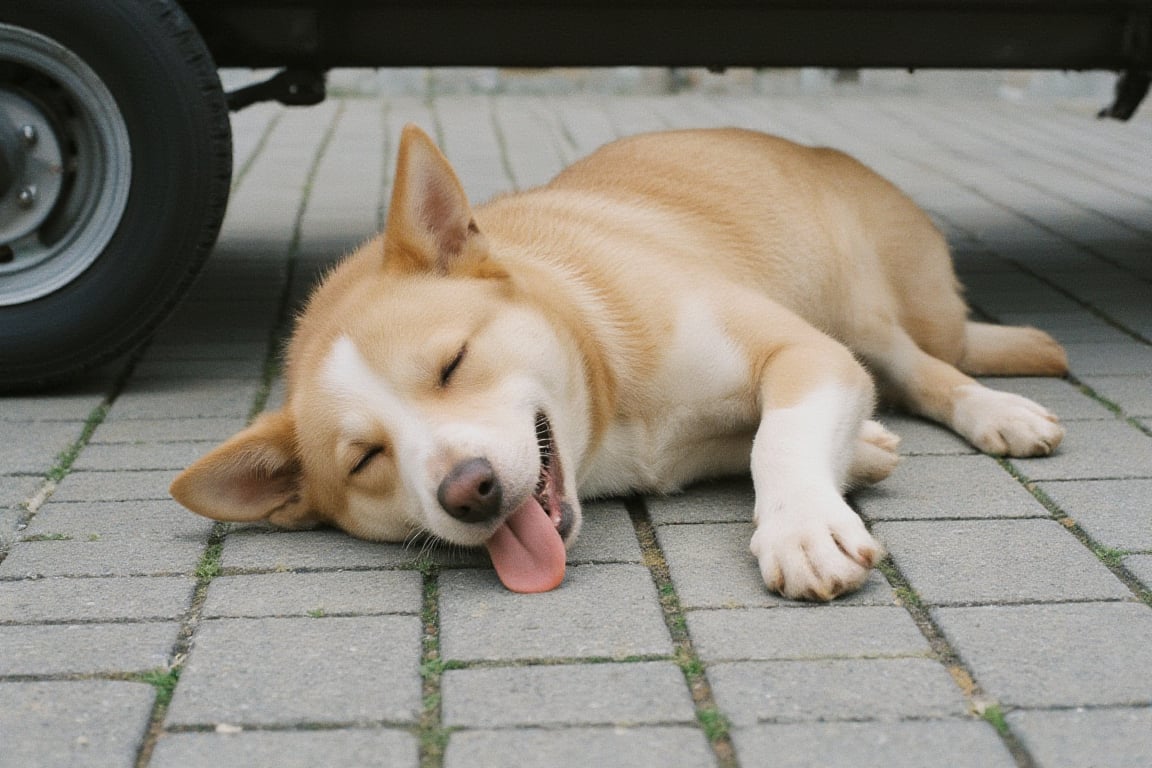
[[979, 702], [708, 714]]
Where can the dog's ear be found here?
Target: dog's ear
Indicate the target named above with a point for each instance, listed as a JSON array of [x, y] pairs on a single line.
[[430, 224], [253, 476]]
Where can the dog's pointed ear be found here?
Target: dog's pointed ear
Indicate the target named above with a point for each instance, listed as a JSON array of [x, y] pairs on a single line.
[[253, 476], [430, 221]]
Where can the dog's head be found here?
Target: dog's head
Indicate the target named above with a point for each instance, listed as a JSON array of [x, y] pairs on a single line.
[[425, 394]]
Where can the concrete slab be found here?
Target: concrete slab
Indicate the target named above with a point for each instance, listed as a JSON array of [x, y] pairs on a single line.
[[34, 450], [618, 747], [929, 487], [992, 561], [48, 600], [1132, 393], [583, 618], [123, 485], [1117, 738], [639, 693], [1077, 654], [315, 594], [758, 634], [920, 437], [750, 692], [86, 649], [261, 549], [97, 723], [1094, 450], [1057, 395], [1115, 513], [875, 745], [338, 748], [300, 671]]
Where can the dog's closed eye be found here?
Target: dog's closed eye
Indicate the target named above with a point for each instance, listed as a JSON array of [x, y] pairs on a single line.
[[370, 453], [447, 371]]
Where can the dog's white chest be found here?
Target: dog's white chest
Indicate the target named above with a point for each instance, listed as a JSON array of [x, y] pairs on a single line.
[[694, 418]]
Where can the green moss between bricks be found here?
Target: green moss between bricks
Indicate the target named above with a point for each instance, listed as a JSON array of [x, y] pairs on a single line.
[[209, 567], [164, 681]]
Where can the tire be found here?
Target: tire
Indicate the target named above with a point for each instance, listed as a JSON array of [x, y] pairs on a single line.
[[112, 199]]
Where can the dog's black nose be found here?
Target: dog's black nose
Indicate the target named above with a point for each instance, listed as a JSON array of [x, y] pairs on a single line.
[[471, 492]]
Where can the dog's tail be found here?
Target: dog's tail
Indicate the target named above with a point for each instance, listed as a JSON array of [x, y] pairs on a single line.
[[1009, 350]]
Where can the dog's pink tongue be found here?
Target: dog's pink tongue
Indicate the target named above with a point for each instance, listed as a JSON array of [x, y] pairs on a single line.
[[527, 550]]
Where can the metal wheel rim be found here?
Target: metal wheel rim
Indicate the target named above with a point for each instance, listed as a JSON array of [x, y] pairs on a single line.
[[96, 166]]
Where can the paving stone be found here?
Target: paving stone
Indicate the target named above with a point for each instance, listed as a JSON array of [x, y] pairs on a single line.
[[94, 599], [33, 450], [164, 521], [711, 567], [1078, 654], [1132, 393], [15, 490], [300, 671], [359, 748], [1116, 738], [117, 557], [1068, 327], [967, 744], [997, 561], [759, 634], [91, 723], [85, 649], [749, 692], [651, 692], [927, 487], [1109, 359], [181, 399], [649, 747], [1094, 450], [719, 501], [607, 536], [1115, 513], [481, 620], [920, 437], [1141, 568], [114, 430], [143, 455], [329, 549], [50, 405], [327, 594], [1057, 395], [125, 485], [109, 539]]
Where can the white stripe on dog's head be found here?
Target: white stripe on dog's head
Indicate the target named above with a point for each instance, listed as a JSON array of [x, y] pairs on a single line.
[[366, 400]]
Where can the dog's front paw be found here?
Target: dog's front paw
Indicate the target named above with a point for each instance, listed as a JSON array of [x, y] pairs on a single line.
[[1005, 424], [815, 554]]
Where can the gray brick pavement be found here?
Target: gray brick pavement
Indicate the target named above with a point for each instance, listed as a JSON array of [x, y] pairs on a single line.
[[314, 648]]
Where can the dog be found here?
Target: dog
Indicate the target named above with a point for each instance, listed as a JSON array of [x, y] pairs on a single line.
[[675, 306]]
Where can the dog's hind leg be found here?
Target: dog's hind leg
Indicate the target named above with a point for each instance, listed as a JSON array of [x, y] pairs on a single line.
[[1008, 350], [998, 423]]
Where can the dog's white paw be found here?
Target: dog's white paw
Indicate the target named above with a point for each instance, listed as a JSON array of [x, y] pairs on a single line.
[[814, 554], [875, 455], [1005, 424]]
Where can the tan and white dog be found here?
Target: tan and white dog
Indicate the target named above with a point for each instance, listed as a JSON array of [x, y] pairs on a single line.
[[674, 307]]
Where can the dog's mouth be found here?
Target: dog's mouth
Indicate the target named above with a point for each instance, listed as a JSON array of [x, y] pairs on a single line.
[[527, 550]]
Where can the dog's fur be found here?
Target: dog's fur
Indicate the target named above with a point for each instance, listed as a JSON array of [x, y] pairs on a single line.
[[674, 307]]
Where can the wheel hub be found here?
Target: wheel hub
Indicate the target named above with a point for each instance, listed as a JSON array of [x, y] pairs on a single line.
[[31, 167]]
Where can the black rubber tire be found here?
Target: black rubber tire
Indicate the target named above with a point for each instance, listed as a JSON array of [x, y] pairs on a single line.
[[168, 93]]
